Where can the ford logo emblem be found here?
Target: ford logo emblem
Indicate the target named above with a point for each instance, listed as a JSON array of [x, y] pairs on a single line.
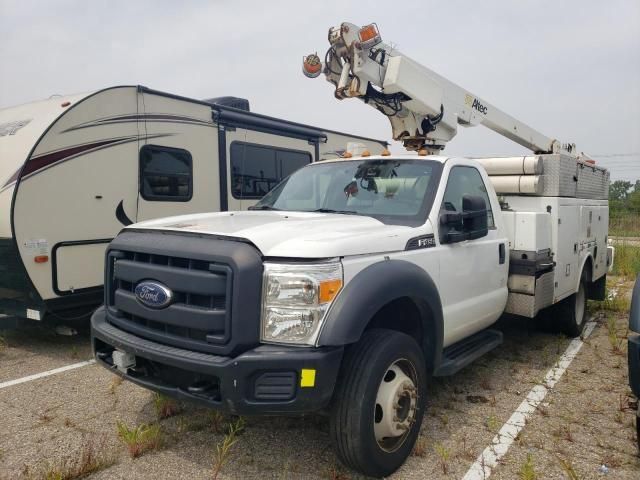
[[153, 294]]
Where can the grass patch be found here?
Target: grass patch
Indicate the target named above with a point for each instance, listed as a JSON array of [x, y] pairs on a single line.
[[568, 469], [615, 341], [91, 457], [626, 260], [444, 454], [223, 449], [527, 470], [140, 439], [624, 224], [165, 406]]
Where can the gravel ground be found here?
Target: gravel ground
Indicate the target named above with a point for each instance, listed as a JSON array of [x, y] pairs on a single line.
[[584, 423]]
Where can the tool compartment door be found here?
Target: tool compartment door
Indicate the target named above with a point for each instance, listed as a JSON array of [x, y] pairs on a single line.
[[567, 251]]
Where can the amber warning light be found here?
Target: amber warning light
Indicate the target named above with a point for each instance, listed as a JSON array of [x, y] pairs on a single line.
[[369, 35]]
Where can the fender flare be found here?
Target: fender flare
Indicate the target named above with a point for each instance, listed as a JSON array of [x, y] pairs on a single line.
[[373, 288]]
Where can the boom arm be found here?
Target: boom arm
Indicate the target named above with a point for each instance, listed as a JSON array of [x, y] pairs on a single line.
[[423, 107]]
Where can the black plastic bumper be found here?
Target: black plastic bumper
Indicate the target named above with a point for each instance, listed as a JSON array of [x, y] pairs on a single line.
[[264, 380]]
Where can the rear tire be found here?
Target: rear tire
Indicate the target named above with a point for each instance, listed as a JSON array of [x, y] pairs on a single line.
[[379, 402], [571, 313]]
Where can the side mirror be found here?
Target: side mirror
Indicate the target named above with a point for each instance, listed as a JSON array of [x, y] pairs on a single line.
[[474, 211], [469, 224]]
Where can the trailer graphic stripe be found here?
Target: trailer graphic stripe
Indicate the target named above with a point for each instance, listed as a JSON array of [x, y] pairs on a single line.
[[37, 163], [41, 162], [150, 117]]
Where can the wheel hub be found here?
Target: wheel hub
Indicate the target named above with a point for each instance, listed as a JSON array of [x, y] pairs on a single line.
[[395, 409]]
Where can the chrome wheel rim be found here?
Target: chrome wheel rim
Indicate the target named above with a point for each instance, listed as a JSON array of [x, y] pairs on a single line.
[[396, 405]]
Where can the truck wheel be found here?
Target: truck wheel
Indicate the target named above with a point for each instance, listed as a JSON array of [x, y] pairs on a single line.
[[379, 402], [572, 311]]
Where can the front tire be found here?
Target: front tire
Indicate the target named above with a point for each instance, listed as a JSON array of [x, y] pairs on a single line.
[[379, 402]]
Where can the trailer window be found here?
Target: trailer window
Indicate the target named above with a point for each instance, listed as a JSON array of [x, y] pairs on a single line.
[[166, 174], [256, 169]]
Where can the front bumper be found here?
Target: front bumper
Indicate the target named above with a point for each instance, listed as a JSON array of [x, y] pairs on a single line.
[[265, 380]]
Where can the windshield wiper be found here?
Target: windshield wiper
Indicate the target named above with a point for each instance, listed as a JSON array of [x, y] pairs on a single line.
[[262, 207], [329, 210]]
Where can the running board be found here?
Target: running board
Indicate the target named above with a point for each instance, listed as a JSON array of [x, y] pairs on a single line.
[[459, 355]]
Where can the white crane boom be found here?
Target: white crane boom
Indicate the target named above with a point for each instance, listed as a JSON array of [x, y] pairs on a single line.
[[423, 107]]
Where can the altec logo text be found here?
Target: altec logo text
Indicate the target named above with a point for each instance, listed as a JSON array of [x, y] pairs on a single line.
[[475, 104]]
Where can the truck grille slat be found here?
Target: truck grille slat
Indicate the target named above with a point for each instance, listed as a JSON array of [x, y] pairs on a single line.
[[199, 315]]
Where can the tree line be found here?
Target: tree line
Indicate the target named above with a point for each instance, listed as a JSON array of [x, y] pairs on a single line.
[[624, 197]]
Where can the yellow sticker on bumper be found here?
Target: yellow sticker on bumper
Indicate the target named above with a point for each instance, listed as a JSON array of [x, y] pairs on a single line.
[[307, 377]]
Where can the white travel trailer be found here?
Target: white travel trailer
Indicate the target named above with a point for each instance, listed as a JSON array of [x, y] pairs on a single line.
[[74, 170]]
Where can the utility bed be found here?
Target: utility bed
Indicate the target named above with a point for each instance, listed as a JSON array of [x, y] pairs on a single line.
[[556, 215]]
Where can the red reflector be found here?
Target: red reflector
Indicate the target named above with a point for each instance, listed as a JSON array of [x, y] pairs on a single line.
[[65, 104], [41, 259]]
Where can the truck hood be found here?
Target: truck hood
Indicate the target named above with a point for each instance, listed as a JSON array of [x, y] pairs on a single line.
[[294, 234]]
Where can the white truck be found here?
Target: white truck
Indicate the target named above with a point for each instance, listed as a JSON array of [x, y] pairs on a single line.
[[355, 279]]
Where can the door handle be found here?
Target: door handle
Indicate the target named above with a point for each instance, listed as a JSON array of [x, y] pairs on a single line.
[[501, 253]]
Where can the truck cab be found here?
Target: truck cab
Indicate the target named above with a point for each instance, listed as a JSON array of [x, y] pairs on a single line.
[[341, 291]]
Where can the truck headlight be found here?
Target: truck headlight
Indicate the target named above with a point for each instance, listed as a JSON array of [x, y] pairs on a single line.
[[295, 299]]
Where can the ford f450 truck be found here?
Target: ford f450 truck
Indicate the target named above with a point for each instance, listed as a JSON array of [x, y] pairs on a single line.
[[356, 279], [344, 289]]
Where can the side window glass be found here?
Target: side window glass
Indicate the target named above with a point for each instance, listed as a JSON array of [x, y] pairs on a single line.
[[465, 181], [253, 170], [256, 169], [166, 174]]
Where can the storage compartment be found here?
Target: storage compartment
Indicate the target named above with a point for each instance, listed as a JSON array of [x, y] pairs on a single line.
[[550, 175], [528, 231]]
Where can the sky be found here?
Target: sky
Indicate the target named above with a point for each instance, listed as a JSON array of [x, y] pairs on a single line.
[[570, 69]]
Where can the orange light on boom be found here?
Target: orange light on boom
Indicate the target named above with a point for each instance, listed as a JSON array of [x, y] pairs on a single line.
[[369, 34]]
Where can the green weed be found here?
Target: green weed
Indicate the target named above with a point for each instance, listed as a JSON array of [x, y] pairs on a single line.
[[223, 449], [527, 471], [165, 407], [140, 439], [443, 457]]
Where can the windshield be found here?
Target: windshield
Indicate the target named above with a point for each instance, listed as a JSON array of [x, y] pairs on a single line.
[[392, 190]]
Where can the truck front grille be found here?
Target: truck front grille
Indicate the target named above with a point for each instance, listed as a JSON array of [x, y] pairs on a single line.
[[199, 315]]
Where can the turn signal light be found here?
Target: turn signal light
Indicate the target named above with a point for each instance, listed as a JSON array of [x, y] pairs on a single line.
[[369, 34], [328, 290], [41, 259]]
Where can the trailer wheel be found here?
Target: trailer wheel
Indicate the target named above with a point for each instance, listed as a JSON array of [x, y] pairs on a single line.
[[571, 312], [379, 402]]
